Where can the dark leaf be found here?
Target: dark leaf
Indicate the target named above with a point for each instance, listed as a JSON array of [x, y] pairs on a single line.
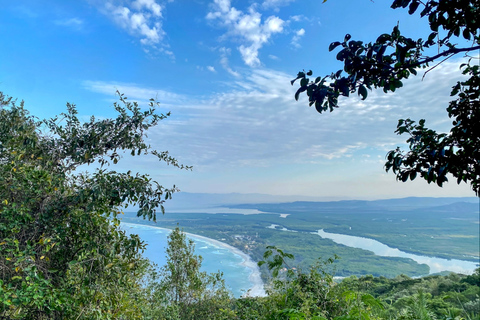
[[333, 45], [413, 175], [300, 90], [413, 7], [363, 92]]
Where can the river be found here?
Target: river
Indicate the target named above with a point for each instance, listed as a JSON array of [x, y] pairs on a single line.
[[436, 264]]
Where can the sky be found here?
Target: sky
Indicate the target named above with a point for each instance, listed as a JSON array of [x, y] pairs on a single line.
[[223, 70]]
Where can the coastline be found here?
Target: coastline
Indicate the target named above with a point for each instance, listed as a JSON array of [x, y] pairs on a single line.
[[257, 289]]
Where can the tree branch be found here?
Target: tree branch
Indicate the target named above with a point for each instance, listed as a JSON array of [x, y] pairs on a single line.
[[451, 51]]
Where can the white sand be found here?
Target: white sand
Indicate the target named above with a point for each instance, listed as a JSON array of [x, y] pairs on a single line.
[[257, 290]]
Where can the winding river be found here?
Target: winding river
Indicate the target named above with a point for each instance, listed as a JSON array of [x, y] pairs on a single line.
[[380, 249]]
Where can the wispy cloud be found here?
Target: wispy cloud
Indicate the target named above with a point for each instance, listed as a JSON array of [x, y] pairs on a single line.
[[275, 3], [133, 91], [74, 23], [224, 53], [247, 27], [296, 38], [258, 122]]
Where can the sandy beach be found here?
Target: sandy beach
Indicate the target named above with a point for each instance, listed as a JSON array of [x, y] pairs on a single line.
[[257, 289]]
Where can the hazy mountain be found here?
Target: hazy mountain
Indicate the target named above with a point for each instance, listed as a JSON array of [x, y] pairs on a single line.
[[187, 200]]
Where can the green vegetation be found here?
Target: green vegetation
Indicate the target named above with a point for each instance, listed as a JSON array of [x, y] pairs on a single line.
[[180, 290], [62, 253], [448, 231], [313, 294], [390, 60]]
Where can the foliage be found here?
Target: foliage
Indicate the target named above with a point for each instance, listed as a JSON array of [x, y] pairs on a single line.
[[277, 261], [181, 290], [428, 297], [391, 59], [433, 155], [315, 295], [62, 253]]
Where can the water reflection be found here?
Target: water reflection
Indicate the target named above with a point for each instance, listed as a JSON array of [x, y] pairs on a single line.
[[380, 249]]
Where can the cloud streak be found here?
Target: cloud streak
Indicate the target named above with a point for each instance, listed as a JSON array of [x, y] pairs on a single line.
[[74, 23], [258, 123], [133, 91]]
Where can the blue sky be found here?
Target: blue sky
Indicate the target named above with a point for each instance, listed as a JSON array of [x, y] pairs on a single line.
[[223, 68]]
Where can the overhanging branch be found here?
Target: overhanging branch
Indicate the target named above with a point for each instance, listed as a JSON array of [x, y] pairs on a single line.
[[451, 51]]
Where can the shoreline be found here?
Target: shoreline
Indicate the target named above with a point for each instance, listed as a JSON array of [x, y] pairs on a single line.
[[257, 289]]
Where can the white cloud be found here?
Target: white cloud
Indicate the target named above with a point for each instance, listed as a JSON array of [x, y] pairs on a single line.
[[297, 18], [132, 91], [259, 123], [275, 3], [211, 68], [140, 18], [224, 53], [247, 27], [151, 5], [296, 38]]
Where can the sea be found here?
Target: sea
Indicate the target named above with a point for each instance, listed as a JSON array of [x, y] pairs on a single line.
[[215, 258]]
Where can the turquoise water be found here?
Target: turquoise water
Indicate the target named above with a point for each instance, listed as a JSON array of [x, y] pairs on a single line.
[[215, 258]]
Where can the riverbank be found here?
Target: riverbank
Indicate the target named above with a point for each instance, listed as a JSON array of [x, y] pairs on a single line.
[[435, 264], [257, 286]]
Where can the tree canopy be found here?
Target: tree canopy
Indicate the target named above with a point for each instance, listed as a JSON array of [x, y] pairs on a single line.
[[388, 61], [62, 253], [184, 291]]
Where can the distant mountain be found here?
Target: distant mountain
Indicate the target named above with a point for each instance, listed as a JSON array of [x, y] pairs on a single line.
[[403, 205], [187, 200], [419, 202], [458, 206]]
